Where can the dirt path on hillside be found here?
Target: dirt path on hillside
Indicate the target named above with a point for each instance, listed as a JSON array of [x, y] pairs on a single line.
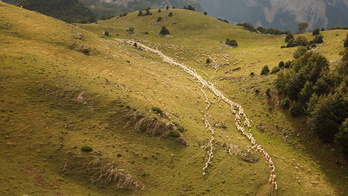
[[242, 122]]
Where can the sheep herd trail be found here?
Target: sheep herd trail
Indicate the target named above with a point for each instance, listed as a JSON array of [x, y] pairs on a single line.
[[241, 121]]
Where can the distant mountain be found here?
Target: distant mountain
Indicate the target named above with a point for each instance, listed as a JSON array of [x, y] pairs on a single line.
[[117, 7], [104, 7], [66, 10], [9, 1], [280, 14]]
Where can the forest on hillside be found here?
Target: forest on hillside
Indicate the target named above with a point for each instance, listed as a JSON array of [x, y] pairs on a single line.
[[308, 86]]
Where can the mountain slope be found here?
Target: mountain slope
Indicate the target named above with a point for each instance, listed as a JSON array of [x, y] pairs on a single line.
[[66, 10], [281, 14], [64, 88], [117, 7]]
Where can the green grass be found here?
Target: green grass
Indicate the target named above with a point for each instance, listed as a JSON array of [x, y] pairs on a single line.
[[55, 100]]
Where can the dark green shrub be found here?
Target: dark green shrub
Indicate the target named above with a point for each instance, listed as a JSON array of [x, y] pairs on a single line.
[[248, 26], [180, 128], [281, 64], [224, 20], [317, 40], [265, 70], [316, 31], [157, 110], [86, 149], [275, 70], [328, 115], [301, 41], [86, 51], [159, 11], [287, 64], [288, 37], [106, 33], [341, 138], [164, 31], [296, 109], [159, 19], [291, 43], [285, 103], [140, 13], [190, 7], [345, 44], [301, 50], [252, 74], [208, 61], [231, 42], [148, 13], [170, 14], [205, 13], [223, 126], [174, 133]]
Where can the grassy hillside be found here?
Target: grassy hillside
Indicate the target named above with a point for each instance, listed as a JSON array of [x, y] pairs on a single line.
[[64, 87]]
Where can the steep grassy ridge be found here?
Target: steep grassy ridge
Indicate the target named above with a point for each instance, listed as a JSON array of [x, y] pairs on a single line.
[[63, 88]]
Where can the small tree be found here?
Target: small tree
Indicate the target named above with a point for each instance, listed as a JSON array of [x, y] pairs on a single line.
[[106, 33], [167, 8], [140, 13], [208, 61], [265, 70], [205, 13], [164, 31], [159, 19], [159, 11], [302, 27], [170, 14]]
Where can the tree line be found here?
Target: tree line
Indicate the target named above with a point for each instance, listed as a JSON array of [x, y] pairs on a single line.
[[308, 87]]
